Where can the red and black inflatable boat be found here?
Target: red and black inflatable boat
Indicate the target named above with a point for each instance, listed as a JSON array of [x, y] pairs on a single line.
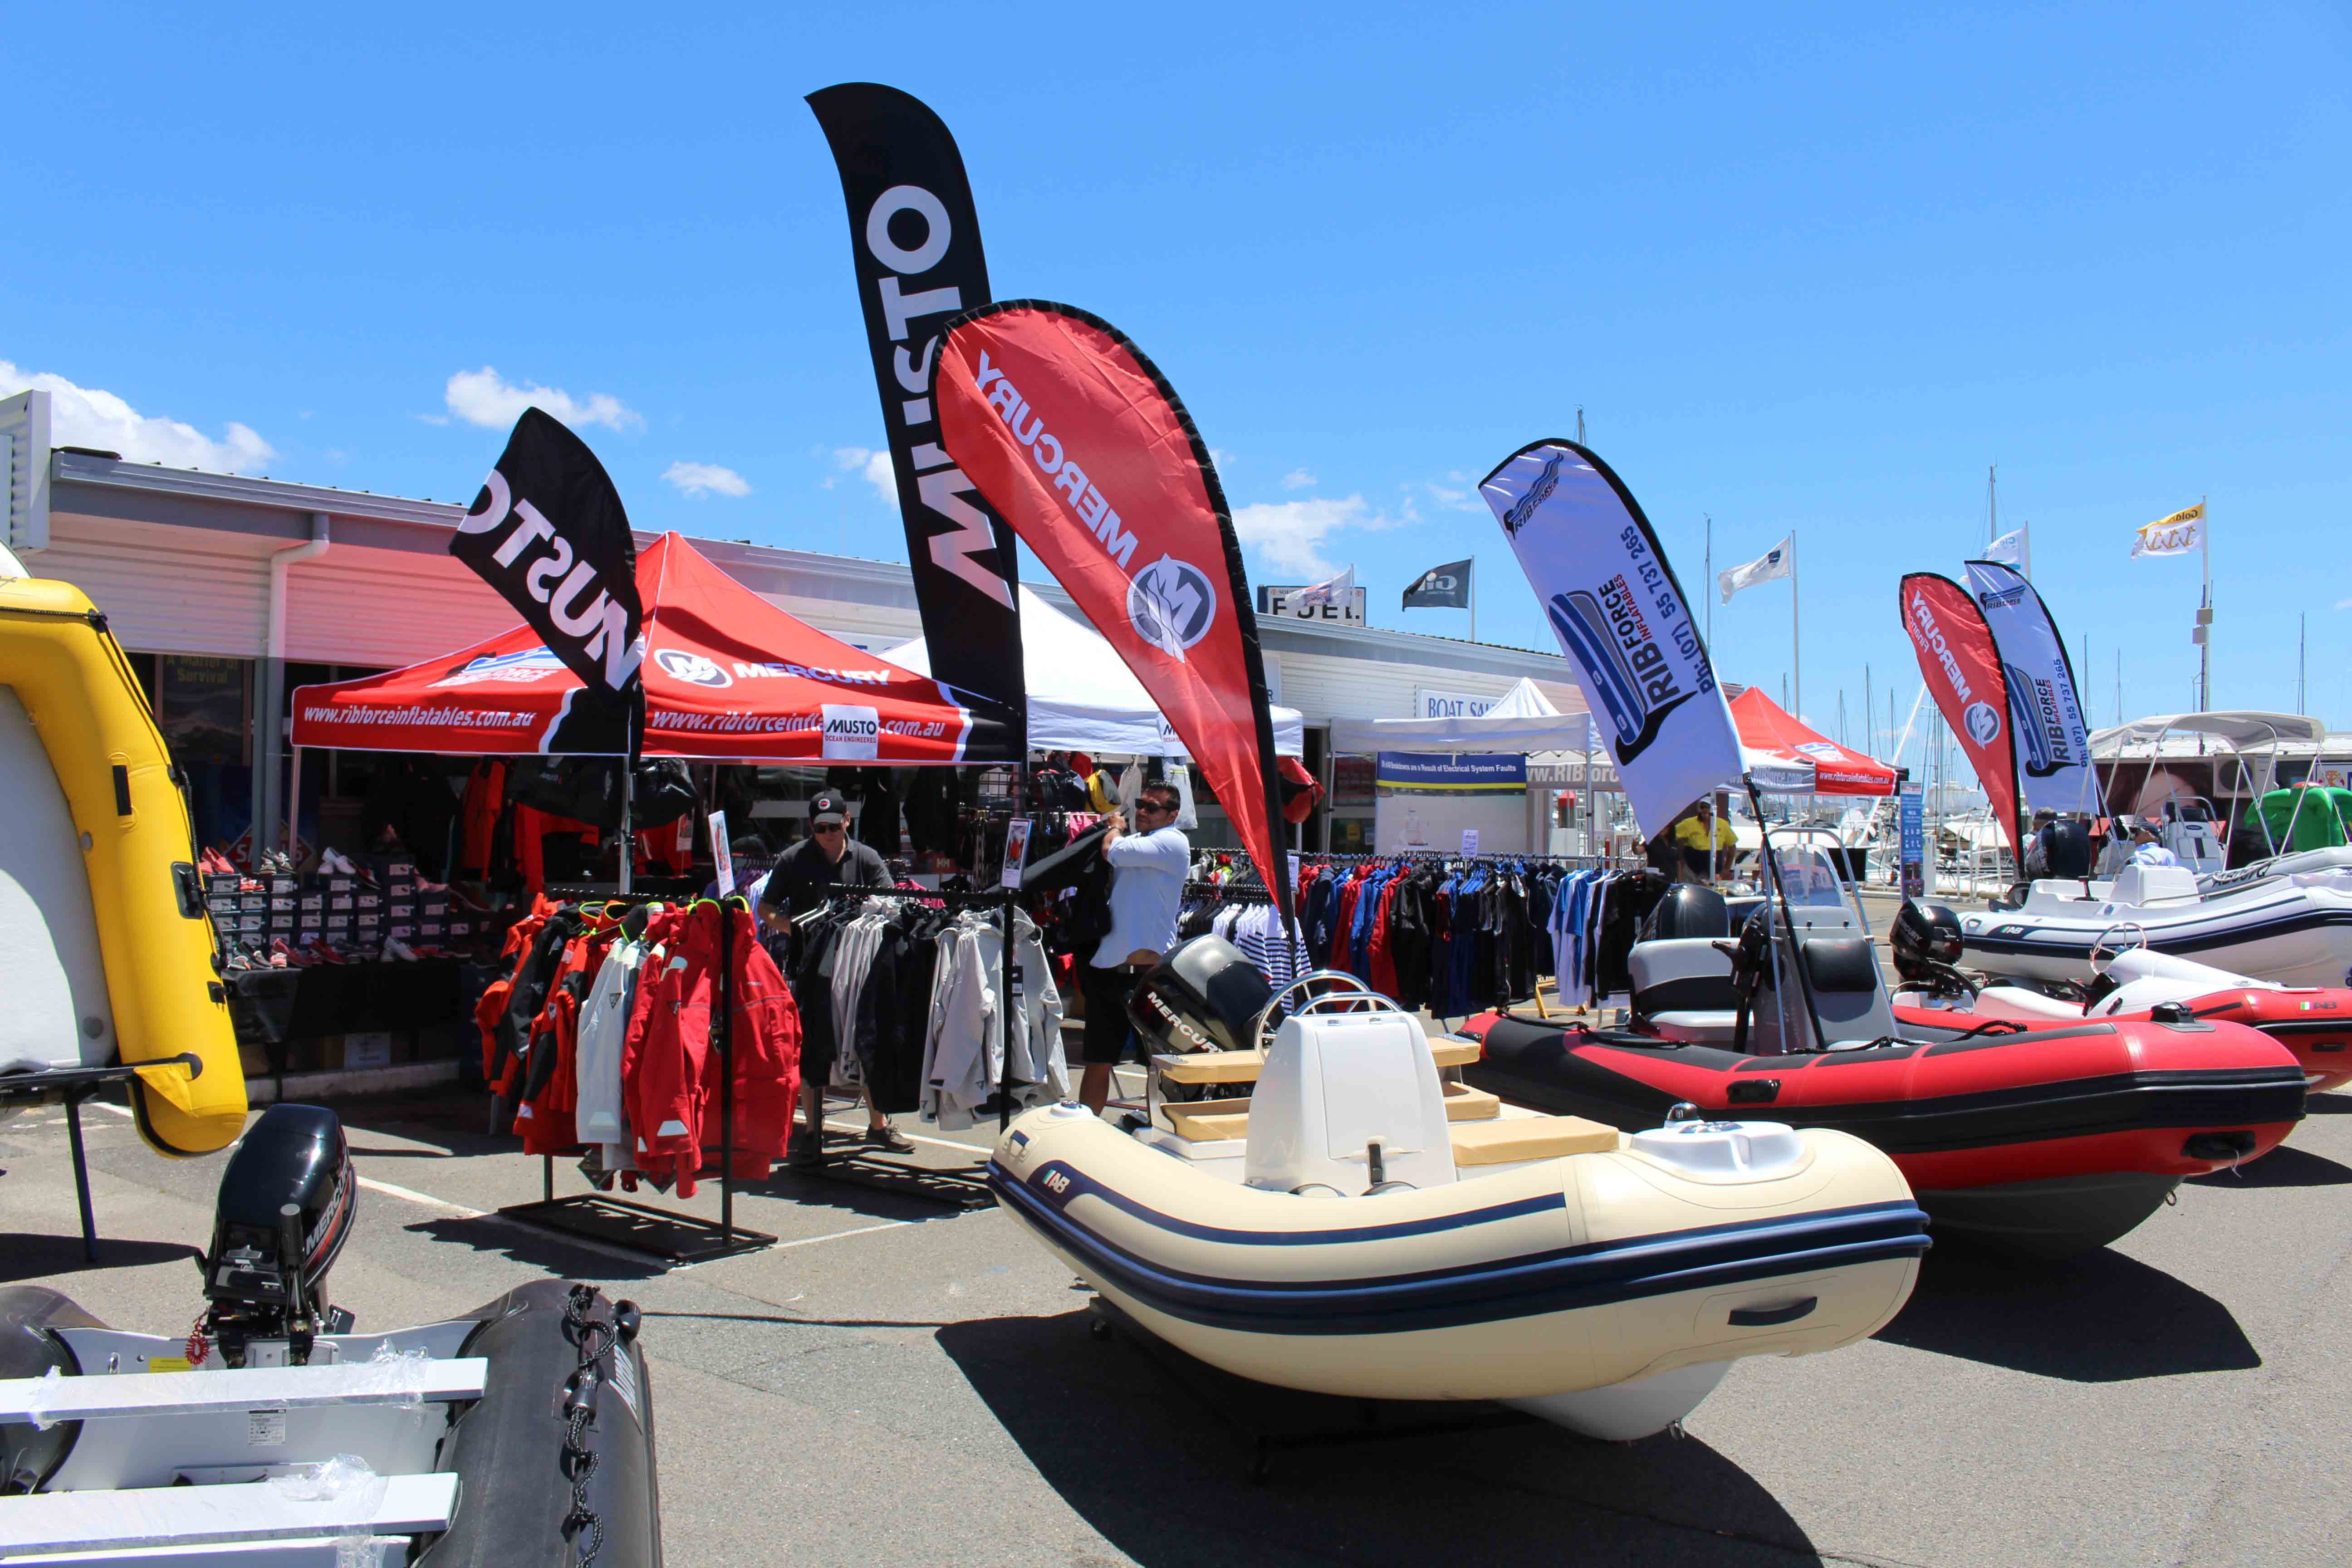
[[2048, 1141]]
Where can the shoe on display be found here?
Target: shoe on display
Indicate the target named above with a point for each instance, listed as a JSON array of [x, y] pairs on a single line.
[[395, 949], [889, 1137]]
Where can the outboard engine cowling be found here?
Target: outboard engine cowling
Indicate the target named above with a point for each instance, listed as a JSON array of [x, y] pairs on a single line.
[[1687, 910], [283, 1214], [1925, 940], [1203, 997]]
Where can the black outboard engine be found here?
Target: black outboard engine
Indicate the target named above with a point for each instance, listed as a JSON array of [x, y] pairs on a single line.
[[284, 1211], [1687, 910], [1203, 997], [1927, 943]]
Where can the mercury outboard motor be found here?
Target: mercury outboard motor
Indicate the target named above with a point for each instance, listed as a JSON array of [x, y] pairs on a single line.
[[1927, 943], [284, 1211], [1687, 910], [1203, 997]]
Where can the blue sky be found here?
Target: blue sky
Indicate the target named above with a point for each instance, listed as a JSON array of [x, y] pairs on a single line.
[[1813, 272]]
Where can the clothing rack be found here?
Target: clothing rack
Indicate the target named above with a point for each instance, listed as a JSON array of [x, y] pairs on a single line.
[[962, 1189], [666, 1234]]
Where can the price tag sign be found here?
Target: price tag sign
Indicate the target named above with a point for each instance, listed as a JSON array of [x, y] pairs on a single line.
[[1469, 841], [1017, 852], [721, 854]]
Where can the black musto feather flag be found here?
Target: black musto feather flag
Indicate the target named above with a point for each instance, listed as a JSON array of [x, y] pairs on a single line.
[[915, 241], [549, 532], [1445, 587]]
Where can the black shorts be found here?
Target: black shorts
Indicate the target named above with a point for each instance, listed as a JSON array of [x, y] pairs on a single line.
[[1106, 991]]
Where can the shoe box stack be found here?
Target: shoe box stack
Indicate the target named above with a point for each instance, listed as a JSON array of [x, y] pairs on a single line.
[[252, 909], [330, 910]]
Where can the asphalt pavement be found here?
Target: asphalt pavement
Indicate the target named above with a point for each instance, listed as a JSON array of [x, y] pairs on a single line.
[[896, 1382]]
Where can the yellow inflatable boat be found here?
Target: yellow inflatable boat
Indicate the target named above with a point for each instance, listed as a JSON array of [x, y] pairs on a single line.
[[1351, 1238], [104, 934]]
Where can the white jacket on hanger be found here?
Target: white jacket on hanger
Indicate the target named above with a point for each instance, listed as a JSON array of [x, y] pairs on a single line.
[[601, 1115]]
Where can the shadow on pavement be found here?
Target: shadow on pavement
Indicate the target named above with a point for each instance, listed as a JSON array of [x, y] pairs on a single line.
[[2328, 1105], [2104, 1318], [2282, 1168], [38, 1257], [1122, 1435], [545, 1250]]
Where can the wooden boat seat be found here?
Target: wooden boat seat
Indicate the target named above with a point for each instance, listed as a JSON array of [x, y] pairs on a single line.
[[1208, 1120], [1506, 1141], [179, 1517], [1244, 1066]]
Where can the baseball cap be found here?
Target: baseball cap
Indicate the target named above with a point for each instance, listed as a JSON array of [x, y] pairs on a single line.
[[827, 808]]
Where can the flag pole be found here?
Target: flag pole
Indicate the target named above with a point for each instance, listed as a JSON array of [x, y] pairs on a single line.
[[1711, 583], [1796, 646], [1473, 598], [2205, 620]]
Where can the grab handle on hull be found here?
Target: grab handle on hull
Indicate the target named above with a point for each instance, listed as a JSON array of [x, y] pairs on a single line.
[[1769, 1317]]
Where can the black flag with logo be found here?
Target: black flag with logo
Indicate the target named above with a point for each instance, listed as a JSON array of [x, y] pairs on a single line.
[[549, 532], [1445, 587], [914, 238]]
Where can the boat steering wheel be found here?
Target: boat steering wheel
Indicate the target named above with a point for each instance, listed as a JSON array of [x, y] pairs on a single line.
[[2103, 955], [1352, 999]]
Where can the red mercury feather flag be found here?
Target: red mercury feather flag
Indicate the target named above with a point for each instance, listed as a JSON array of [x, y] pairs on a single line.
[[1962, 667], [1079, 443]]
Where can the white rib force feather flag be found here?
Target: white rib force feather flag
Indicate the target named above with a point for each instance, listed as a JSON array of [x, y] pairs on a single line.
[[1774, 563]]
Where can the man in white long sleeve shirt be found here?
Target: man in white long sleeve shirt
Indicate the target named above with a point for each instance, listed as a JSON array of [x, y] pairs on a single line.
[[1147, 892]]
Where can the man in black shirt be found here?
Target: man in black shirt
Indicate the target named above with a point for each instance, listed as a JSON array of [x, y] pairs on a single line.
[[827, 858]]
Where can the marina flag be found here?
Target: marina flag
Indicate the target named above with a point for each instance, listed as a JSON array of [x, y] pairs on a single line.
[[1081, 445], [2015, 547], [914, 242], [1962, 667], [548, 530], [2175, 535], [1774, 563], [1623, 620], [2053, 744], [1445, 587], [1339, 590]]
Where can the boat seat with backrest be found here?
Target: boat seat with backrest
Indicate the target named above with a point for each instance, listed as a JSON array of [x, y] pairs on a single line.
[[1682, 989], [1847, 991], [2152, 885]]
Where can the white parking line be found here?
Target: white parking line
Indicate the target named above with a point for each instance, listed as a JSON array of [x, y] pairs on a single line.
[[408, 1195], [838, 1235], [912, 1137]]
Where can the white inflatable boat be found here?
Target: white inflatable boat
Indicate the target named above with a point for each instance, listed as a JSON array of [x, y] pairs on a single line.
[[1359, 1242], [2293, 929]]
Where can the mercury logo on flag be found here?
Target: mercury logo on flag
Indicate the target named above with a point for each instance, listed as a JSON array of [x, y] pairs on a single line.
[[568, 562]]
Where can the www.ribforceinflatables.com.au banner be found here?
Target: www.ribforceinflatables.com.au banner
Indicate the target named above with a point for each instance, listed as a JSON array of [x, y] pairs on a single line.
[[1622, 620]]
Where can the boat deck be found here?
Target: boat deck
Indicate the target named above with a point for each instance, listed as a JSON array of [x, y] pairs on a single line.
[[898, 1383]]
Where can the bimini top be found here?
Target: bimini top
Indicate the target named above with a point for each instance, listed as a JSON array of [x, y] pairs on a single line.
[[728, 677], [1786, 757], [2241, 729]]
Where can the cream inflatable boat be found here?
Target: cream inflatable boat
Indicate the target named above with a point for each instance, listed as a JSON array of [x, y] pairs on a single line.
[[1364, 1245]]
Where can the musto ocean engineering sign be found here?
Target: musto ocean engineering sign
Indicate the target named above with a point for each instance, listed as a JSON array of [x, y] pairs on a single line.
[[1620, 616]]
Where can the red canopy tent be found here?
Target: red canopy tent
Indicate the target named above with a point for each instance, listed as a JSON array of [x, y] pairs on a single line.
[[1768, 728], [728, 677]]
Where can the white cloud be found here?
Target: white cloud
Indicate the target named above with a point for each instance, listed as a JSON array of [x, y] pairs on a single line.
[[871, 466], [1298, 480], [486, 398], [1453, 500], [694, 478], [86, 416], [1291, 535]]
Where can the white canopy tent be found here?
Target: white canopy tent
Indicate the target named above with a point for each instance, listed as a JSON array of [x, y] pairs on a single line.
[[1522, 720], [1082, 696]]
